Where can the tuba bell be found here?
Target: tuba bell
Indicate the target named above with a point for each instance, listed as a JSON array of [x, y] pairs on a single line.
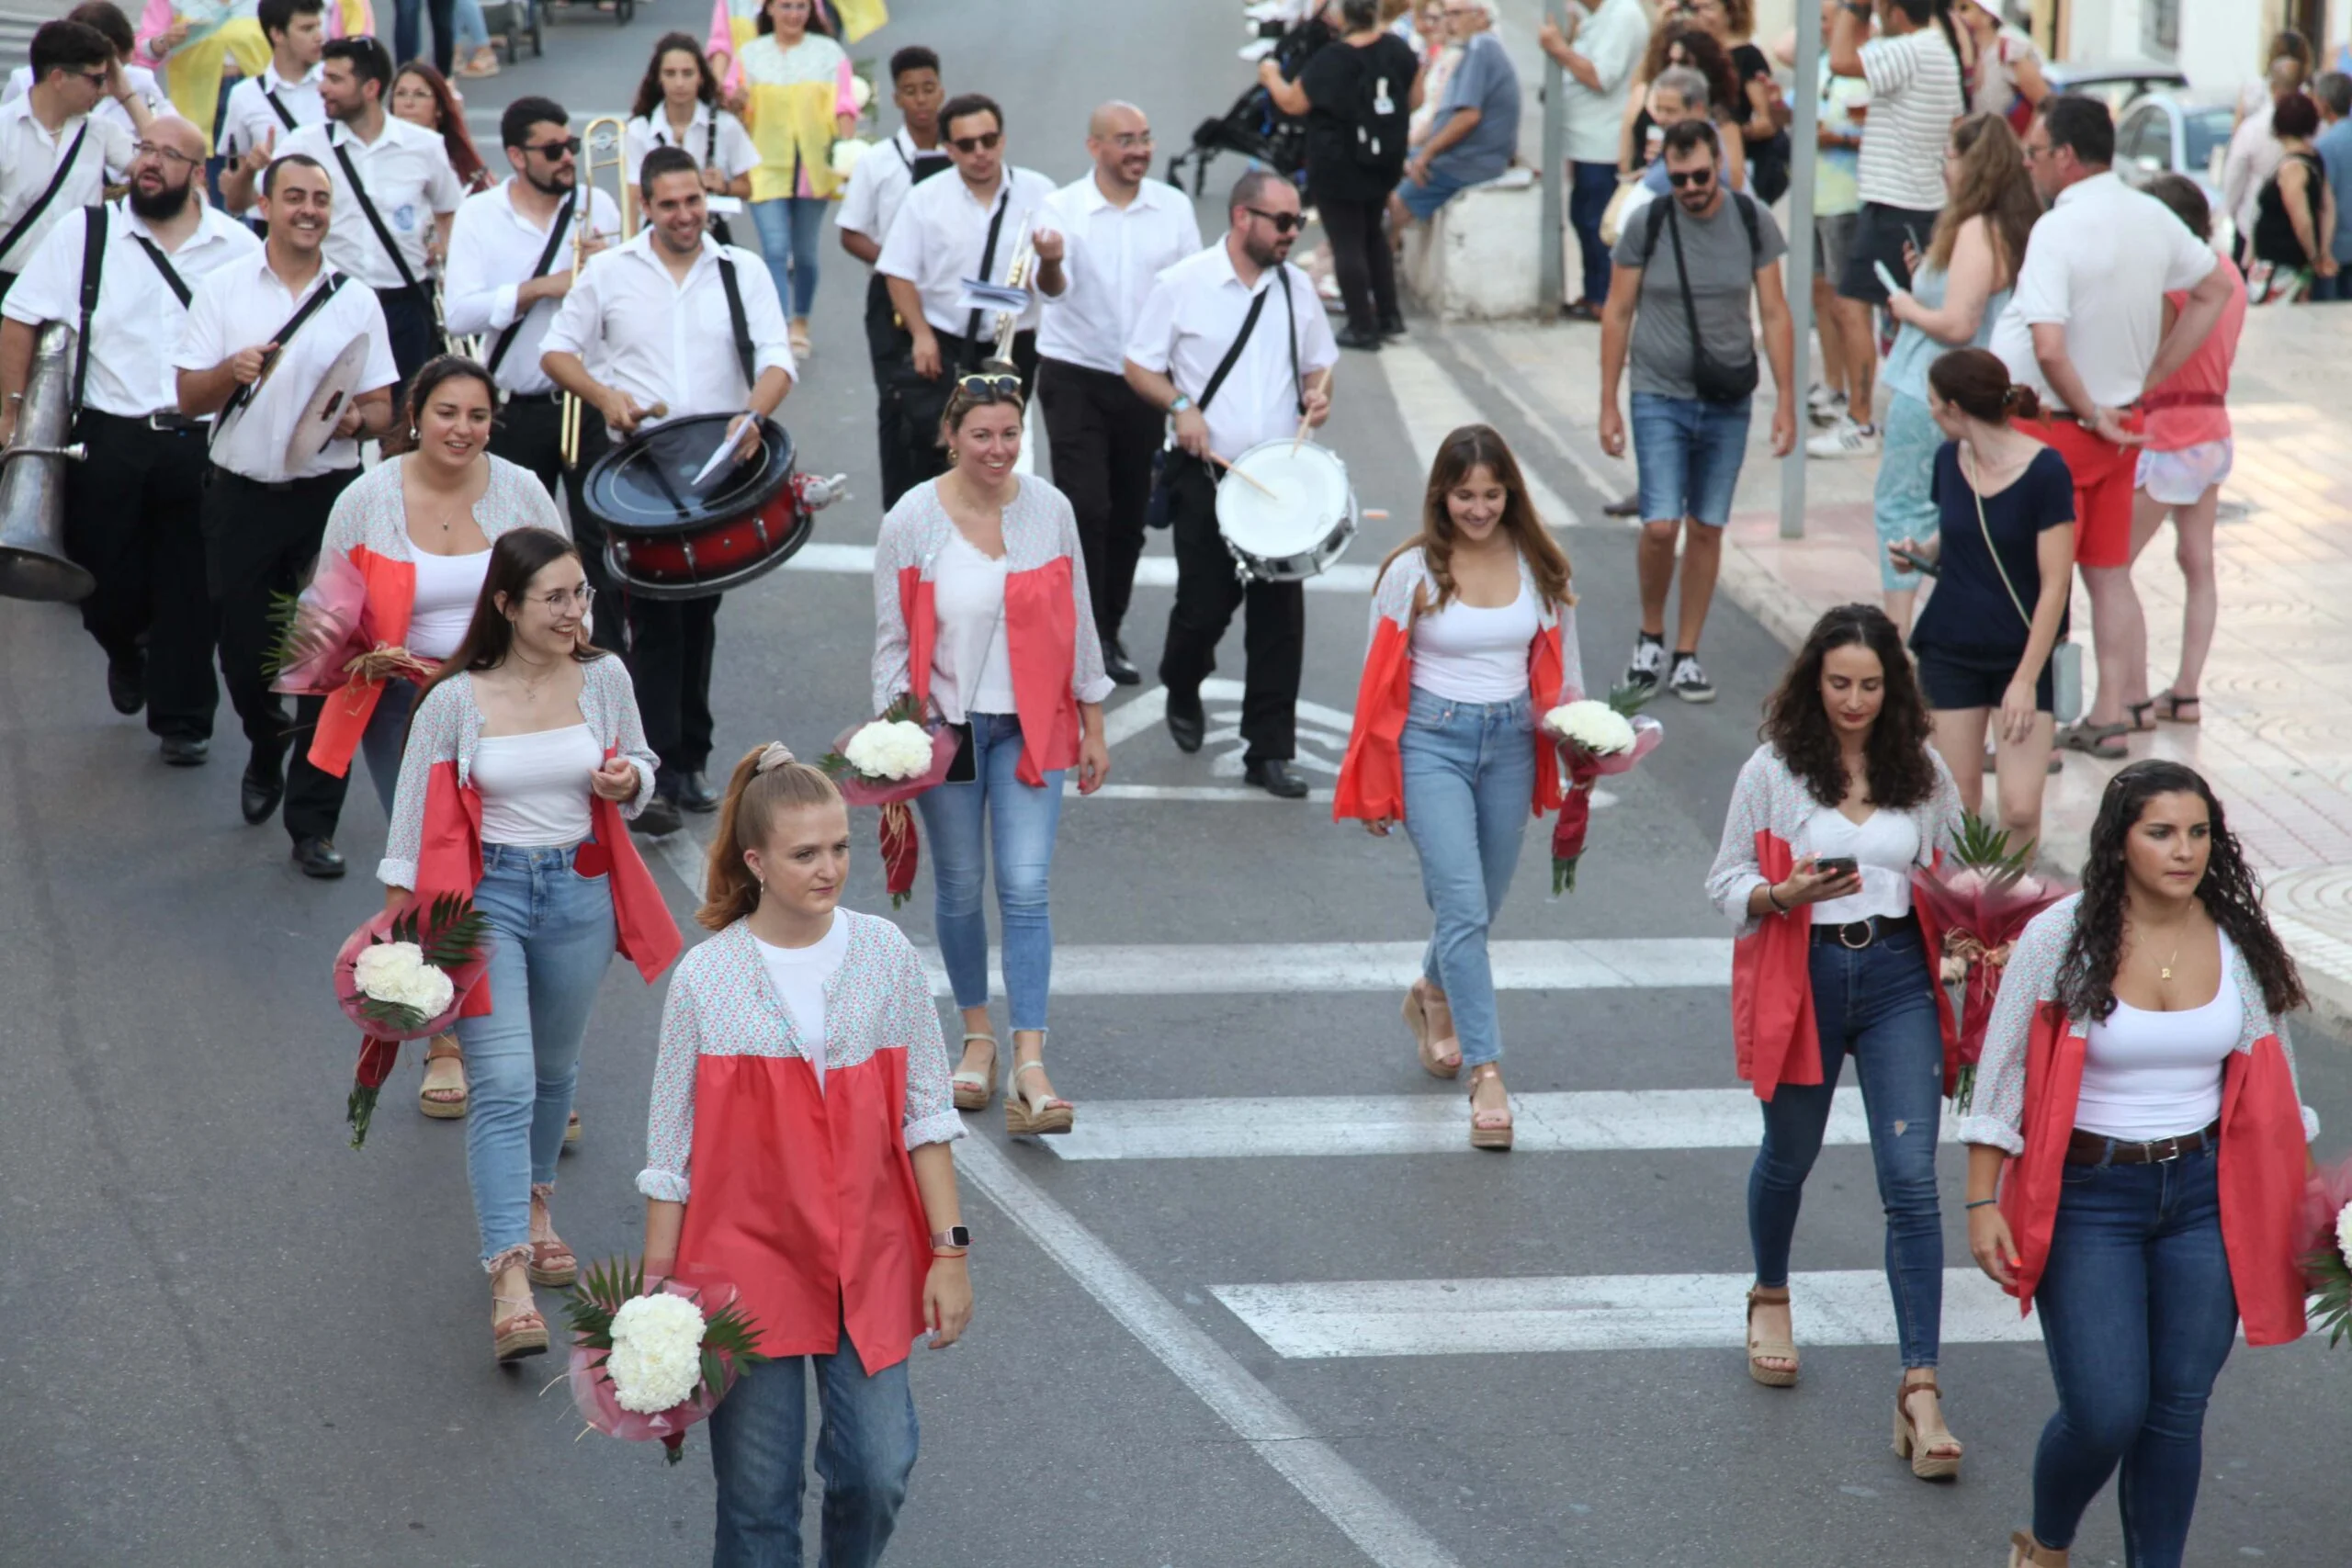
[[32, 480]]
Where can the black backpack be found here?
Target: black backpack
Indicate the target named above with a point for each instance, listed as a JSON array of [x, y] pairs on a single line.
[[1383, 116]]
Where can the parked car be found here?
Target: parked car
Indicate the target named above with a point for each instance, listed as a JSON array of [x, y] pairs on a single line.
[[2120, 82], [2177, 134]]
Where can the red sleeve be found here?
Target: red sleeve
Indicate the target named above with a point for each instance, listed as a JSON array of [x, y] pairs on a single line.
[[1371, 780]]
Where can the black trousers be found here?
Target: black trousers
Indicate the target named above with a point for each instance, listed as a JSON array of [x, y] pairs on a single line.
[[891, 351], [131, 519], [1361, 261], [529, 432], [1103, 435], [1207, 593], [923, 402], [259, 542], [408, 319]]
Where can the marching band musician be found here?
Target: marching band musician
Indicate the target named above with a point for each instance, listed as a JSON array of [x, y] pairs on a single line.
[[284, 97], [946, 232], [677, 106], [1119, 231], [678, 321], [130, 506], [115, 27], [55, 155], [878, 187], [1229, 380], [261, 334]]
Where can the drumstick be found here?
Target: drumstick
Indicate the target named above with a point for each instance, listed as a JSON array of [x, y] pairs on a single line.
[[1322, 380], [1228, 466]]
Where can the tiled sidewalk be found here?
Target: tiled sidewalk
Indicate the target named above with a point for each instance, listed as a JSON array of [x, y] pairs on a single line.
[[2277, 737]]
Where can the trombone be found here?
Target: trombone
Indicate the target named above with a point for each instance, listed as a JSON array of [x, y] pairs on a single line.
[[601, 148]]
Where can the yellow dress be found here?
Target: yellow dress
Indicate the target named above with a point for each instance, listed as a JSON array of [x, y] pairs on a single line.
[[192, 71]]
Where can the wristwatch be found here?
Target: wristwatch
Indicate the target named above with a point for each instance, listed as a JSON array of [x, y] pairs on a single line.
[[1181, 404], [954, 1235]]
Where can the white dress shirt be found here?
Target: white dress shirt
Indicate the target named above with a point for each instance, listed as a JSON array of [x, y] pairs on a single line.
[[663, 342], [1113, 257], [247, 120], [1191, 318], [137, 313], [29, 158], [878, 185], [242, 305], [143, 86], [2102, 258], [729, 150], [406, 171], [942, 229], [492, 248]]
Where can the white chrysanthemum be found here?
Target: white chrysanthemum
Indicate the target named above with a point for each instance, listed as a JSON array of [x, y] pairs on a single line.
[[890, 748], [1595, 725], [2344, 1233], [396, 971], [657, 1353]]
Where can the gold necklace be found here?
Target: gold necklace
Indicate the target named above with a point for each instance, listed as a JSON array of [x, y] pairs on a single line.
[[2164, 970]]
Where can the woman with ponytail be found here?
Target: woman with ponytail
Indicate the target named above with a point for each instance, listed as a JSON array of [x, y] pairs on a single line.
[[796, 1154]]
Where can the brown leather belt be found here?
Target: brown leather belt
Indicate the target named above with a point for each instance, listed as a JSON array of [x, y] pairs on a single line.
[[2093, 1148]]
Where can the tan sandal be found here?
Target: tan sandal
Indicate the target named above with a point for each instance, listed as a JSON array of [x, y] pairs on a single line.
[[1027, 1116], [2027, 1552], [440, 1101], [1918, 1445], [1485, 1132], [571, 1131], [520, 1333], [551, 1263], [974, 1091], [797, 332], [1759, 1350], [1434, 1060]]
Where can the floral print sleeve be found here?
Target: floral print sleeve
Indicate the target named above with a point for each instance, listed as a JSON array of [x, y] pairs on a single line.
[[622, 726], [434, 737], [1087, 681], [1736, 874], [930, 1109], [1391, 596], [670, 1121], [891, 554], [2027, 981]]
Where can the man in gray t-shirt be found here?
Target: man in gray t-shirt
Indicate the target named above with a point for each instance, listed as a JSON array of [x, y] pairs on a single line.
[[1690, 429]]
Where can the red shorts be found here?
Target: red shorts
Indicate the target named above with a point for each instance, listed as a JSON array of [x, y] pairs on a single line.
[[2103, 474]]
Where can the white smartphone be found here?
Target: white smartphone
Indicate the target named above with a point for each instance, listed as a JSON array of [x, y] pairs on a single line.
[[1887, 280]]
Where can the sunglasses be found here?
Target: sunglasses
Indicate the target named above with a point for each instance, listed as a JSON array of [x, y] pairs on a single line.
[[990, 386], [552, 151], [1284, 223], [984, 143], [94, 78], [1698, 179]]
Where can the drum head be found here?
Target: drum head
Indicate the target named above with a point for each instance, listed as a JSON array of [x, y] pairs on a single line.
[[325, 409], [646, 486], [1305, 494]]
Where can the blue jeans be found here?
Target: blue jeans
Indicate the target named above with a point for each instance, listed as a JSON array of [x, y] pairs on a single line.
[[995, 813], [2137, 1315], [1874, 1004], [553, 932], [1590, 187], [1902, 504], [792, 229], [473, 31], [1469, 775], [865, 1451], [408, 32], [1687, 453], [385, 737]]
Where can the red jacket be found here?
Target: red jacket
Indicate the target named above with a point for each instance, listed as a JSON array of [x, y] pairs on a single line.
[[1040, 629]]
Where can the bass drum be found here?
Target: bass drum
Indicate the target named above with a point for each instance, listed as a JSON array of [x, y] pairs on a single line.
[[667, 537]]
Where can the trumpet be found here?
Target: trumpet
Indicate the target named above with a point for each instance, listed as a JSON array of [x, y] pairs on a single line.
[[600, 149], [1017, 275]]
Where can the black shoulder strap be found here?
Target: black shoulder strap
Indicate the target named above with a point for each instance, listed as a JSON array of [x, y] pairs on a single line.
[[1653, 221], [987, 256], [94, 259], [285, 115], [1240, 341], [1748, 218], [31, 215], [375, 220], [1656, 215], [547, 259], [1290, 314], [164, 264], [281, 337], [710, 140], [1682, 277], [743, 355]]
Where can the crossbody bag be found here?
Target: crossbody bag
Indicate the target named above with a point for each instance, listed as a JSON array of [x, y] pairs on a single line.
[[2066, 655]]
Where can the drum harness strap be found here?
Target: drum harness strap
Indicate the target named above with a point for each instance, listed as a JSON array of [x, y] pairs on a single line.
[[1241, 341], [281, 337], [375, 222], [744, 357], [18, 229], [285, 115], [547, 259]]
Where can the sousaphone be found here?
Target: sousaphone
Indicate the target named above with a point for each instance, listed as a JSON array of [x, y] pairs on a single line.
[[32, 480]]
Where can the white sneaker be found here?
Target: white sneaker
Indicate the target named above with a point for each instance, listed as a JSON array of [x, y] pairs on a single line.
[[1689, 682], [1845, 439], [1647, 667], [1824, 407]]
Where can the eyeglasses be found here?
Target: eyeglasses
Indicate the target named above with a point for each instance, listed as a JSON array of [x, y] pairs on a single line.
[[981, 384], [1697, 179], [1131, 140], [984, 143], [2033, 152], [558, 602], [168, 154], [1284, 223], [552, 151]]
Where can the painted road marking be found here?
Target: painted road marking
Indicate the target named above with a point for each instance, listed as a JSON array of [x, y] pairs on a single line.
[[1183, 969], [1152, 571], [1306, 1126], [1432, 405], [1601, 1312]]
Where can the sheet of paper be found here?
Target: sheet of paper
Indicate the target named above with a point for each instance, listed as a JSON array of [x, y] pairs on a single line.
[[979, 296], [726, 445]]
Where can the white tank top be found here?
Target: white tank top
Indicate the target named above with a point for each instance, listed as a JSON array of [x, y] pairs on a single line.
[[446, 588], [1884, 844], [535, 789], [1468, 655], [2154, 1075]]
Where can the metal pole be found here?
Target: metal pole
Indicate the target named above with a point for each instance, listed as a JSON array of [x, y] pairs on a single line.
[[1801, 157], [1550, 295]]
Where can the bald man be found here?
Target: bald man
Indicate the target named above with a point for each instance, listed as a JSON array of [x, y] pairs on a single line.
[[131, 506], [1117, 229]]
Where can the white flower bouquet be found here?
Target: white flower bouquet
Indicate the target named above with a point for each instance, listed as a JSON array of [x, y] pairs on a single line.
[[2327, 1268], [886, 762], [402, 975], [651, 1365], [1594, 738]]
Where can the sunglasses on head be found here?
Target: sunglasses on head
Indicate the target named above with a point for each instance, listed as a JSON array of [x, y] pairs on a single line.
[[989, 385], [1284, 223], [984, 143], [1698, 179]]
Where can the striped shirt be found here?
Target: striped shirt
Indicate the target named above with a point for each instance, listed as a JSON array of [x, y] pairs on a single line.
[[1914, 96]]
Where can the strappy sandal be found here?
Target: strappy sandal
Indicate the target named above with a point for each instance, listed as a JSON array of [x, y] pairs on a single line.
[[797, 333], [2102, 741], [1434, 1062], [2026, 1552], [518, 1334], [2168, 707], [974, 1091], [440, 1102], [551, 1262], [1485, 1132], [2136, 716], [1760, 1350], [1027, 1116], [1919, 1445]]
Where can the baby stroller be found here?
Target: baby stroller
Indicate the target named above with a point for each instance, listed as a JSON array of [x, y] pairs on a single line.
[[1253, 127]]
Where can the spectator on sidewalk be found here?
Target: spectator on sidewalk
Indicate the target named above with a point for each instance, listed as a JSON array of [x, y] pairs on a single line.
[[1756, 109], [1692, 389], [2180, 471], [1598, 50], [1680, 94], [2085, 330], [2294, 215], [1474, 133], [2333, 92], [1837, 207], [1440, 54], [1915, 68], [2253, 152], [2289, 59], [1676, 43], [1958, 290], [2009, 80]]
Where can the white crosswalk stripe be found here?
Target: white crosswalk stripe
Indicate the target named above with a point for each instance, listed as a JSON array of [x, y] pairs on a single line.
[[1268, 968]]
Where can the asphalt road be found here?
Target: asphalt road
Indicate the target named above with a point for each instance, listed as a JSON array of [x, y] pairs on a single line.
[[226, 1339]]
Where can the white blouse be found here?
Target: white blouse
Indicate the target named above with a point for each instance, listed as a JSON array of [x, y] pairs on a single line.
[[2153, 1075], [799, 976], [972, 665], [535, 788], [1885, 843], [446, 588], [1467, 654]]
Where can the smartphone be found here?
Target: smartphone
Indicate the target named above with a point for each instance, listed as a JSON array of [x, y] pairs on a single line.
[[1886, 278], [1838, 865], [1919, 564]]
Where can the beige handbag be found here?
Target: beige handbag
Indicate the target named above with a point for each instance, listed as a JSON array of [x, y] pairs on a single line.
[[1613, 218]]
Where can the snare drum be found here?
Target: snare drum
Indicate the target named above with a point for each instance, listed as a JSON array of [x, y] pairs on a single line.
[[667, 537], [1300, 522]]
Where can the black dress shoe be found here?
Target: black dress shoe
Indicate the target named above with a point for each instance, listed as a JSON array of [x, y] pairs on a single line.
[[127, 683], [1118, 666], [694, 793], [1349, 337], [1392, 326], [264, 786], [660, 817], [1186, 722], [187, 751], [319, 858], [1275, 778]]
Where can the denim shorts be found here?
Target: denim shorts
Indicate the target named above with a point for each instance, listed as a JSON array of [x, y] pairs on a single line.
[[1687, 452], [1900, 505], [1954, 680], [1422, 200]]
